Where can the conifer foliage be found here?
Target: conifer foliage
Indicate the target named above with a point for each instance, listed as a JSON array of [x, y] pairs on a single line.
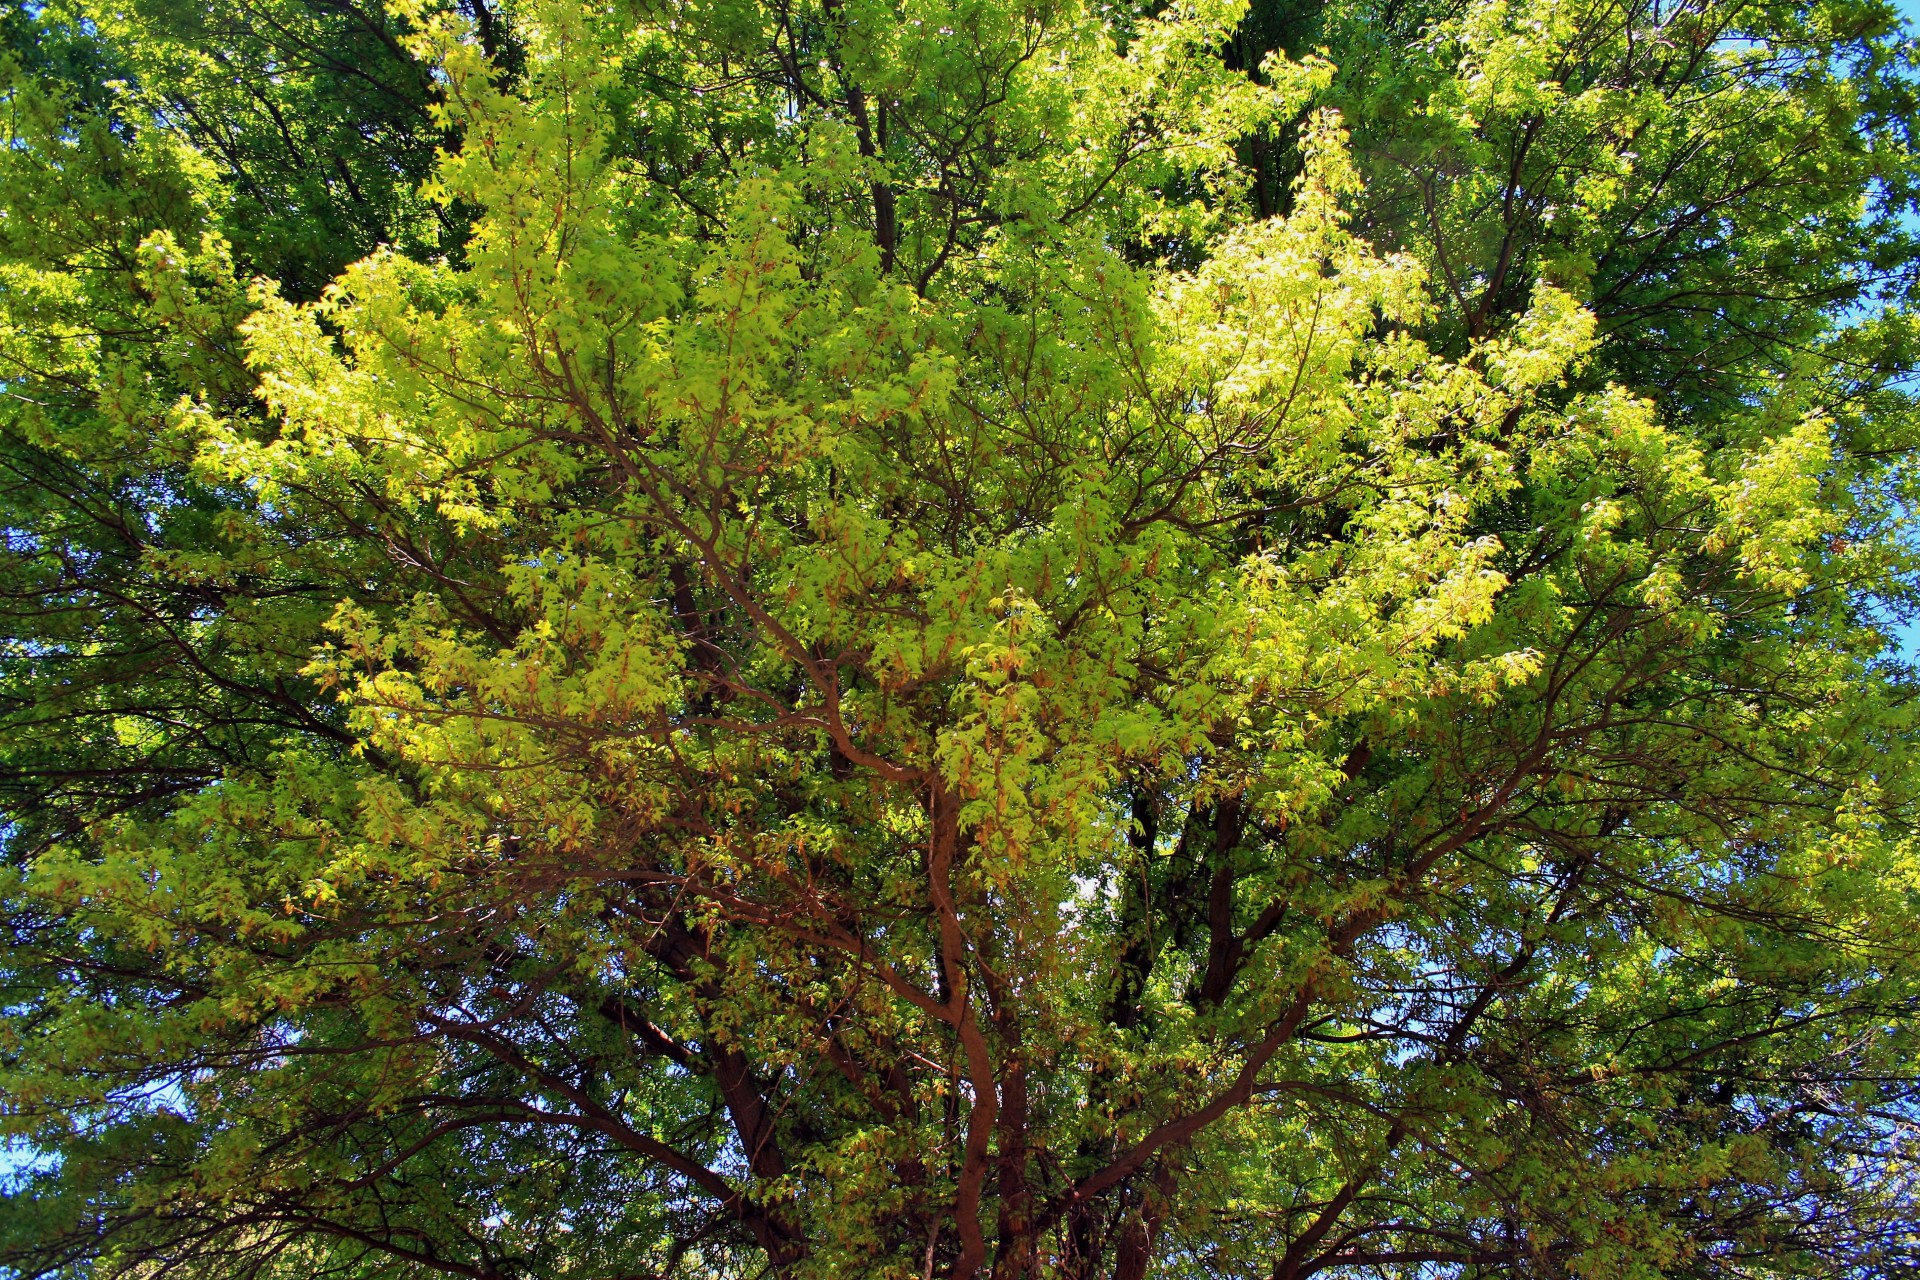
[[958, 638]]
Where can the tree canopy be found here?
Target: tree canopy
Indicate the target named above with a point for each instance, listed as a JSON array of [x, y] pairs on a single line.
[[959, 638]]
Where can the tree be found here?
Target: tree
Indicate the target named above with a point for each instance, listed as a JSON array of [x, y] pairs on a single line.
[[957, 639]]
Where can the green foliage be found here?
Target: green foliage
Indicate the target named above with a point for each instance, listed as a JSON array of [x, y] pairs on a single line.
[[939, 638]]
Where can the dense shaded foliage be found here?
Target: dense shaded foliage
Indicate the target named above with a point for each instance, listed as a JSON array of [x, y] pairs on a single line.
[[908, 639]]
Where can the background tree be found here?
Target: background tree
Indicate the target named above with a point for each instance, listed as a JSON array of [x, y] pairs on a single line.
[[956, 638]]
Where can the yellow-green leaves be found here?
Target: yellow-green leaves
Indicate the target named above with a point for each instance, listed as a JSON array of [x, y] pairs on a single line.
[[960, 638]]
